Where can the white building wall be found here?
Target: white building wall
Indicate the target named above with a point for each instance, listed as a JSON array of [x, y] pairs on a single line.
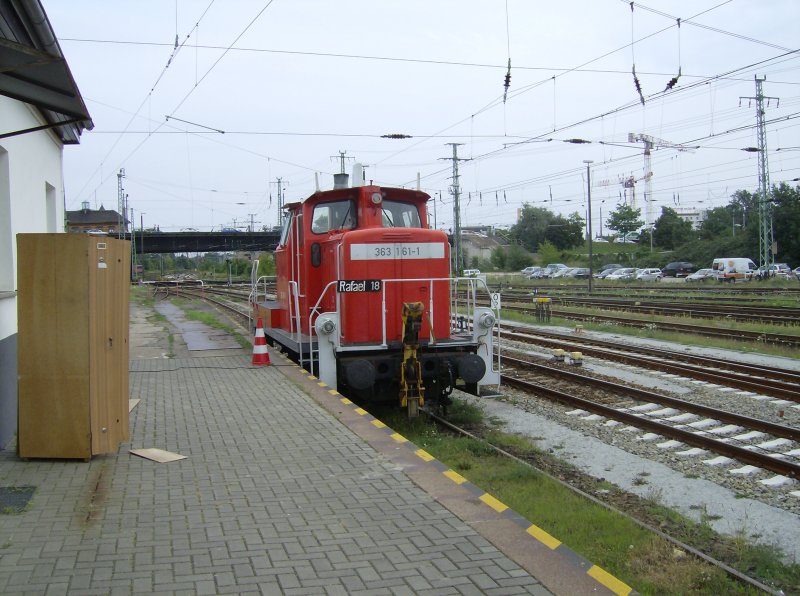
[[31, 200]]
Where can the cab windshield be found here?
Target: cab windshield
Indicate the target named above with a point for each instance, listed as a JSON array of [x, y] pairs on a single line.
[[336, 215], [400, 215]]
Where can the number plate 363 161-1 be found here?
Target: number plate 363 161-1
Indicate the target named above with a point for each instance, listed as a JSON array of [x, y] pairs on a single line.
[[396, 250]]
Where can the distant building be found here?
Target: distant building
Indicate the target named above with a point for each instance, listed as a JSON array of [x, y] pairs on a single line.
[[696, 217], [41, 110], [84, 220], [477, 244]]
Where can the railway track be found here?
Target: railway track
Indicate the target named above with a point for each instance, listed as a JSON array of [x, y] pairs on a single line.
[[761, 456], [730, 312], [773, 381], [783, 339]]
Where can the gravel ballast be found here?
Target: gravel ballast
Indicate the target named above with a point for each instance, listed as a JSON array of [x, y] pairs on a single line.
[[732, 504]]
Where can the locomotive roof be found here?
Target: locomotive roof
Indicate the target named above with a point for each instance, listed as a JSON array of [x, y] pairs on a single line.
[[353, 191]]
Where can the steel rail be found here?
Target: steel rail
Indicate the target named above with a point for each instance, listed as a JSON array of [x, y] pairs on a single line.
[[774, 338], [782, 374], [729, 379], [705, 311], [777, 430], [746, 456], [730, 334]]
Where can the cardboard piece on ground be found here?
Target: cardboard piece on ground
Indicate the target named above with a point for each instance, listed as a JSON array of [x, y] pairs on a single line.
[[157, 455], [132, 403]]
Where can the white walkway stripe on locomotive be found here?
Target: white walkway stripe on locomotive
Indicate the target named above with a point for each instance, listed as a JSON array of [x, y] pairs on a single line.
[[396, 250]]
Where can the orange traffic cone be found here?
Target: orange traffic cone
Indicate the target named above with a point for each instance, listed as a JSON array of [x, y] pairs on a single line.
[[260, 353]]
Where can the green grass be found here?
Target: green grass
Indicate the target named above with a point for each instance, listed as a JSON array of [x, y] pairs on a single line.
[[211, 320], [646, 562]]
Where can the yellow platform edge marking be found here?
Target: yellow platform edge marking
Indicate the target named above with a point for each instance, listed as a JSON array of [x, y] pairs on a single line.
[[361, 411], [399, 438], [455, 476], [333, 392], [543, 537], [422, 454], [322, 384], [493, 503], [609, 581], [345, 401], [378, 423], [312, 377]]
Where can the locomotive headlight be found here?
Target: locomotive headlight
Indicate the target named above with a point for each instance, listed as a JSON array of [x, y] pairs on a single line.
[[486, 320], [328, 327], [376, 198]]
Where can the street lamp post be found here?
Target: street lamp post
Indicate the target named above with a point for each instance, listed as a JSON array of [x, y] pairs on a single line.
[[589, 205], [141, 238]]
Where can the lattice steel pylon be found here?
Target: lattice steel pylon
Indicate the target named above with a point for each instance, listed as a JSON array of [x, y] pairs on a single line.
[[766, 253]]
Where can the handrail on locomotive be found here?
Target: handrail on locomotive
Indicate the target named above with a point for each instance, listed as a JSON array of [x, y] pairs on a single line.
[[462, 311]]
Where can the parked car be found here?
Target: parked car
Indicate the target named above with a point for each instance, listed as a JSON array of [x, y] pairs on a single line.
[[472, 272], [797, 273], [540, 273], [627, 238], [551, 268], [781, 270], [606, 272], [622, 274], [701, 275], [678, 269], [650, 274], [561, 272], [530, 272], [578, 273]]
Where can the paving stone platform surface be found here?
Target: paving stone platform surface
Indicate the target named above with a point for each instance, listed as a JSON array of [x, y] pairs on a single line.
[[276, 496]]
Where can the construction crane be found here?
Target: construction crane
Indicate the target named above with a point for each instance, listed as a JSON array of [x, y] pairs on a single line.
[[649, 143]]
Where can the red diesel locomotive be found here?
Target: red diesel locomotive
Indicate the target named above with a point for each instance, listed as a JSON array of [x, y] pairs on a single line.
[[366, 302]]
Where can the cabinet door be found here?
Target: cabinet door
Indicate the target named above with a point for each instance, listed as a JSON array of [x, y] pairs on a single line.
[[53, 358], [109, 274]]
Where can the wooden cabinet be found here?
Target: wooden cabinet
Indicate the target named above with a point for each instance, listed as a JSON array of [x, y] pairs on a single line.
[[72, 344]]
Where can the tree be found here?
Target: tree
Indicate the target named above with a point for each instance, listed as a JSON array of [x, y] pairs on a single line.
[[565, 232], [531, 229], [625, 219], [786, 222], [499, 258], [548, 253], [719, 221], [671, 230], [517, 258]]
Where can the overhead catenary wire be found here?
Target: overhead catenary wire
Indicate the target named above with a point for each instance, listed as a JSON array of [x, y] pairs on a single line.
[[393, 162]]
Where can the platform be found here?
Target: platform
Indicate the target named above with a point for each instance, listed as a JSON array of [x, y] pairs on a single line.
[[286, 488]]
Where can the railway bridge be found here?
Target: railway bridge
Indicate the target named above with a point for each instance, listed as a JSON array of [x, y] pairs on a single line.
[[149, 241]]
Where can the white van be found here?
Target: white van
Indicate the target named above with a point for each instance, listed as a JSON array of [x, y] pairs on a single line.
[[733, 268], [472, 272]]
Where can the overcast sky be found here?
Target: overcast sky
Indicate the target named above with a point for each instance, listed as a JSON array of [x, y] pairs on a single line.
[[293, 82]]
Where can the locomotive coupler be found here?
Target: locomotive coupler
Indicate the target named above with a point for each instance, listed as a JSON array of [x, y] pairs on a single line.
[[412, 392]]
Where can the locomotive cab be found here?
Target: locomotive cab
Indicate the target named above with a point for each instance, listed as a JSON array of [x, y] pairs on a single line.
[[365, 301]]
